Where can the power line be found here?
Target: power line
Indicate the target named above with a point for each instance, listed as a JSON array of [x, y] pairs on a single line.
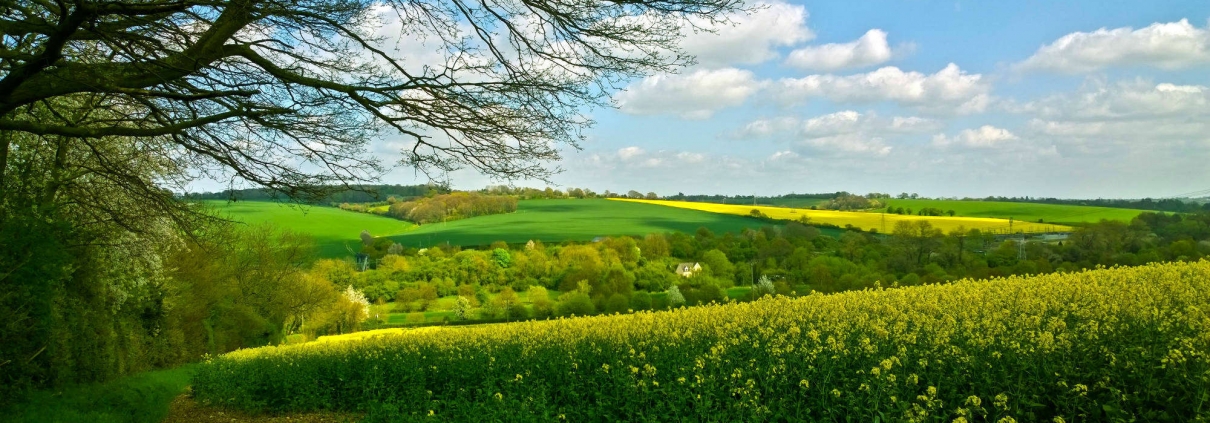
[[1198, 193]]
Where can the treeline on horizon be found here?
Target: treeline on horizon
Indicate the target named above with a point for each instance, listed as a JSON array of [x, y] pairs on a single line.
[[1175, 205], [450, 207], [840, 200], [337, 195]]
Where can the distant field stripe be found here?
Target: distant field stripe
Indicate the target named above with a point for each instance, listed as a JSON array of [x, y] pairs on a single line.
[[864, 221], [1031, 212]]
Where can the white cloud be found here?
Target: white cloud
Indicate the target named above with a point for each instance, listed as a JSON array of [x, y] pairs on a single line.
[[749, 38], [1137, 99], [1135, 122], [848, 144], [841, 133], [985, 136], [629, 152], [783, 155], [693, 96], [912, 124], [842, 122], [950, 90], [871, 49], [1172, 45]]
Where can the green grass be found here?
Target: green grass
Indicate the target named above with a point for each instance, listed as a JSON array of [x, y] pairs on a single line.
[[572, 220], [333, 228], [1029, 212], [143, 397]]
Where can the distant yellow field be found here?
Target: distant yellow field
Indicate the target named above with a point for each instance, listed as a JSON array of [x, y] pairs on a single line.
[[865, 221], [356, 336]]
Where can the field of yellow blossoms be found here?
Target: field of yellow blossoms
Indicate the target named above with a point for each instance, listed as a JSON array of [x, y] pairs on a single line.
[[862, 220], [1121, 344]]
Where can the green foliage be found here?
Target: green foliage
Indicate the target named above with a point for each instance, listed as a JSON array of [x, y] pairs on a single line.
[[450, 207], [617, 303], [576, 303], [719, 265], [242, 287], [640, 301], [501, 257], [675, 298]]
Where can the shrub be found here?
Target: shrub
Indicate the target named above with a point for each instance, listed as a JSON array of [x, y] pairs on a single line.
[[576, 303], [640, 300], [617, 303]]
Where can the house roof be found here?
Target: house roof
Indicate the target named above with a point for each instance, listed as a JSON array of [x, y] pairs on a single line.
[[685, 267]]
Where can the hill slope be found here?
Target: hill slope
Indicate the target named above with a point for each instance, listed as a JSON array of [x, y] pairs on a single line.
[[571, 220], [332, 228], [1029, 212]]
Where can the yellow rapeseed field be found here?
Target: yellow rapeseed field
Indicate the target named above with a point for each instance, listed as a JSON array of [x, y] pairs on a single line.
[[357, 336], [864, 221], [1121, 344]]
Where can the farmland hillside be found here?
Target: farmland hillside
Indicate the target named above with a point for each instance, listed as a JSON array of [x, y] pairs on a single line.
[[335, 230], [571, 220], [1062, 214]]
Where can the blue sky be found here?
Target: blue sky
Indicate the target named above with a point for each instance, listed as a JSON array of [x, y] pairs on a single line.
[[1080, 99]]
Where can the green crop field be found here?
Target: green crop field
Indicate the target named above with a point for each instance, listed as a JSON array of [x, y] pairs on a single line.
[[332, 228], [572, 220], [1028, 212]]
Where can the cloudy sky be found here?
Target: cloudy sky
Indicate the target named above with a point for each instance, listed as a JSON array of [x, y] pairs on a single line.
[[1085, 99]]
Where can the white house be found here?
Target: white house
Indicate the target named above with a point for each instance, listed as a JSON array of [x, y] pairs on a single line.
[[688, 269]]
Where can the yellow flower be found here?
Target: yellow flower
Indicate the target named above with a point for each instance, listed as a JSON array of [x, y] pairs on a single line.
[[974, 401], [1001, 401]]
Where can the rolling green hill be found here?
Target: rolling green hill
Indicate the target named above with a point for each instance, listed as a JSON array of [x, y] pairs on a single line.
[[1029, 212], [332, 228], [572, 220]]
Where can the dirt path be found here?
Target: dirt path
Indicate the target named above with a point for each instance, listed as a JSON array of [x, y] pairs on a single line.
[[185, 410]]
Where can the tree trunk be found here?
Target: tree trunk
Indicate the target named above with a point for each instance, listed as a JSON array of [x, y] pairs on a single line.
[[5, 140]]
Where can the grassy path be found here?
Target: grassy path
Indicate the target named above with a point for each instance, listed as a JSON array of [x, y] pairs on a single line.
[[138, 398]]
